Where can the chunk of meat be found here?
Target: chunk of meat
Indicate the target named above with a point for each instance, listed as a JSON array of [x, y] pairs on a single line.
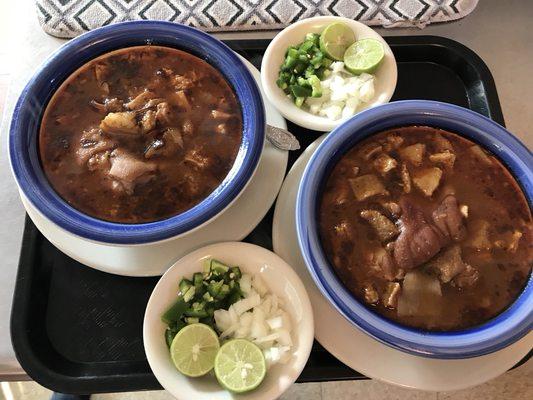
[[393, 208], [481, 155], [163, 113], [140, 100], [148, 121], [380, 263], [371, 294], [92, 142], [168, 145], [182, 82], [197, 159], [427, 179], [217, 114], [370, 150], [187, 127], [447, 264], [128, 171], [419, 240], [406, 178], [392, 142], [101, 72], [446, 158], [413, 154], [509, 241], [173, 135], [221, 129], [442, 144], [384, 227], [467, 278], [448, 218], [390, 297], [479, 235], [366, 186], [109, 105], [384, 163], [154, 149], [421, 296], [99, 161], [344, 230], [121, 122], [180, 100], [342, 194]]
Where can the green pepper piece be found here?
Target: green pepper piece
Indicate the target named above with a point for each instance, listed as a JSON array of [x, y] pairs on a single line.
[[233, 297], [326, 62], [299, 68], [317, 59], [218, 268], [224, 291], [292, 52], [316, 86], [184, 285], [300, 91], [312, 37], [235, 273], [214, 287], [189, 294], [175, 312], [281, 84], [306, 46]]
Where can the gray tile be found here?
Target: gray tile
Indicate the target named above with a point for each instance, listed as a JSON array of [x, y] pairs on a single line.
[[303, 391], [371, 390], [146, 395], [23, 391], [513, 385]]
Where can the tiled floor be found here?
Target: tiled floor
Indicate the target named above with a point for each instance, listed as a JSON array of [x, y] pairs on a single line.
[[514, 385]]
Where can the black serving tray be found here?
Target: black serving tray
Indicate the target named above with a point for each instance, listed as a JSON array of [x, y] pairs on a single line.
[[78, 330]]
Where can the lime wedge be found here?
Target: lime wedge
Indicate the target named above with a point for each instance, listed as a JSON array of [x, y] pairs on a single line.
[[363, 56], [240, 365], [335, 39], [194, 349]]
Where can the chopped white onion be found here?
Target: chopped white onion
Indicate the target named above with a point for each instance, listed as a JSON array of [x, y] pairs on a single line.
[[342, 93], [259, 317]]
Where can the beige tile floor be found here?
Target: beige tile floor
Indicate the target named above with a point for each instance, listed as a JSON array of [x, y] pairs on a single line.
[[514, 385]]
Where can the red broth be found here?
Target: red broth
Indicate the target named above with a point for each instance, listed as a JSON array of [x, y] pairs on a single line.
[[140, 134], [427, 229]]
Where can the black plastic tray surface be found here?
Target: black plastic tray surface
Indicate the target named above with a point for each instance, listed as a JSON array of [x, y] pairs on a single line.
[[78, 330]]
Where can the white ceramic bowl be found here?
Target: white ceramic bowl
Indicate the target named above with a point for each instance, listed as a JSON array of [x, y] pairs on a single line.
[[386, 74], [281, 280]]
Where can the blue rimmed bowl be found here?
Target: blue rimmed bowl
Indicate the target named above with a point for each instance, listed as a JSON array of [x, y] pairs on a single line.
[[501, 331], [24, 130]]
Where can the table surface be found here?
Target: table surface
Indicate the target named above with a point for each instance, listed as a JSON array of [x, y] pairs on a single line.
[[498, 31]]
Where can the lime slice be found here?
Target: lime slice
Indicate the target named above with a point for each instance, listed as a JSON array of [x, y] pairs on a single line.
[[335, 39], [194, 349], [363, 56], [240, 365]]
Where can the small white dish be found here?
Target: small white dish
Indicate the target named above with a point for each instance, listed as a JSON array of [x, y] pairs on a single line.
[[280, 279], [385, 81], [233, 223], [358, 350]]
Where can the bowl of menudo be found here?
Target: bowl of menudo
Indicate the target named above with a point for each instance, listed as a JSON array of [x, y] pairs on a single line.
[[137, 132], [414, 220]]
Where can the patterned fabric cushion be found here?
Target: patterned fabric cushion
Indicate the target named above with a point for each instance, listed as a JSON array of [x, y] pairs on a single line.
[[69, 18]]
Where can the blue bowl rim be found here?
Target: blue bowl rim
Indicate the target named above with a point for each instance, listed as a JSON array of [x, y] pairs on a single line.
[[497, 333], [25, 162]]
